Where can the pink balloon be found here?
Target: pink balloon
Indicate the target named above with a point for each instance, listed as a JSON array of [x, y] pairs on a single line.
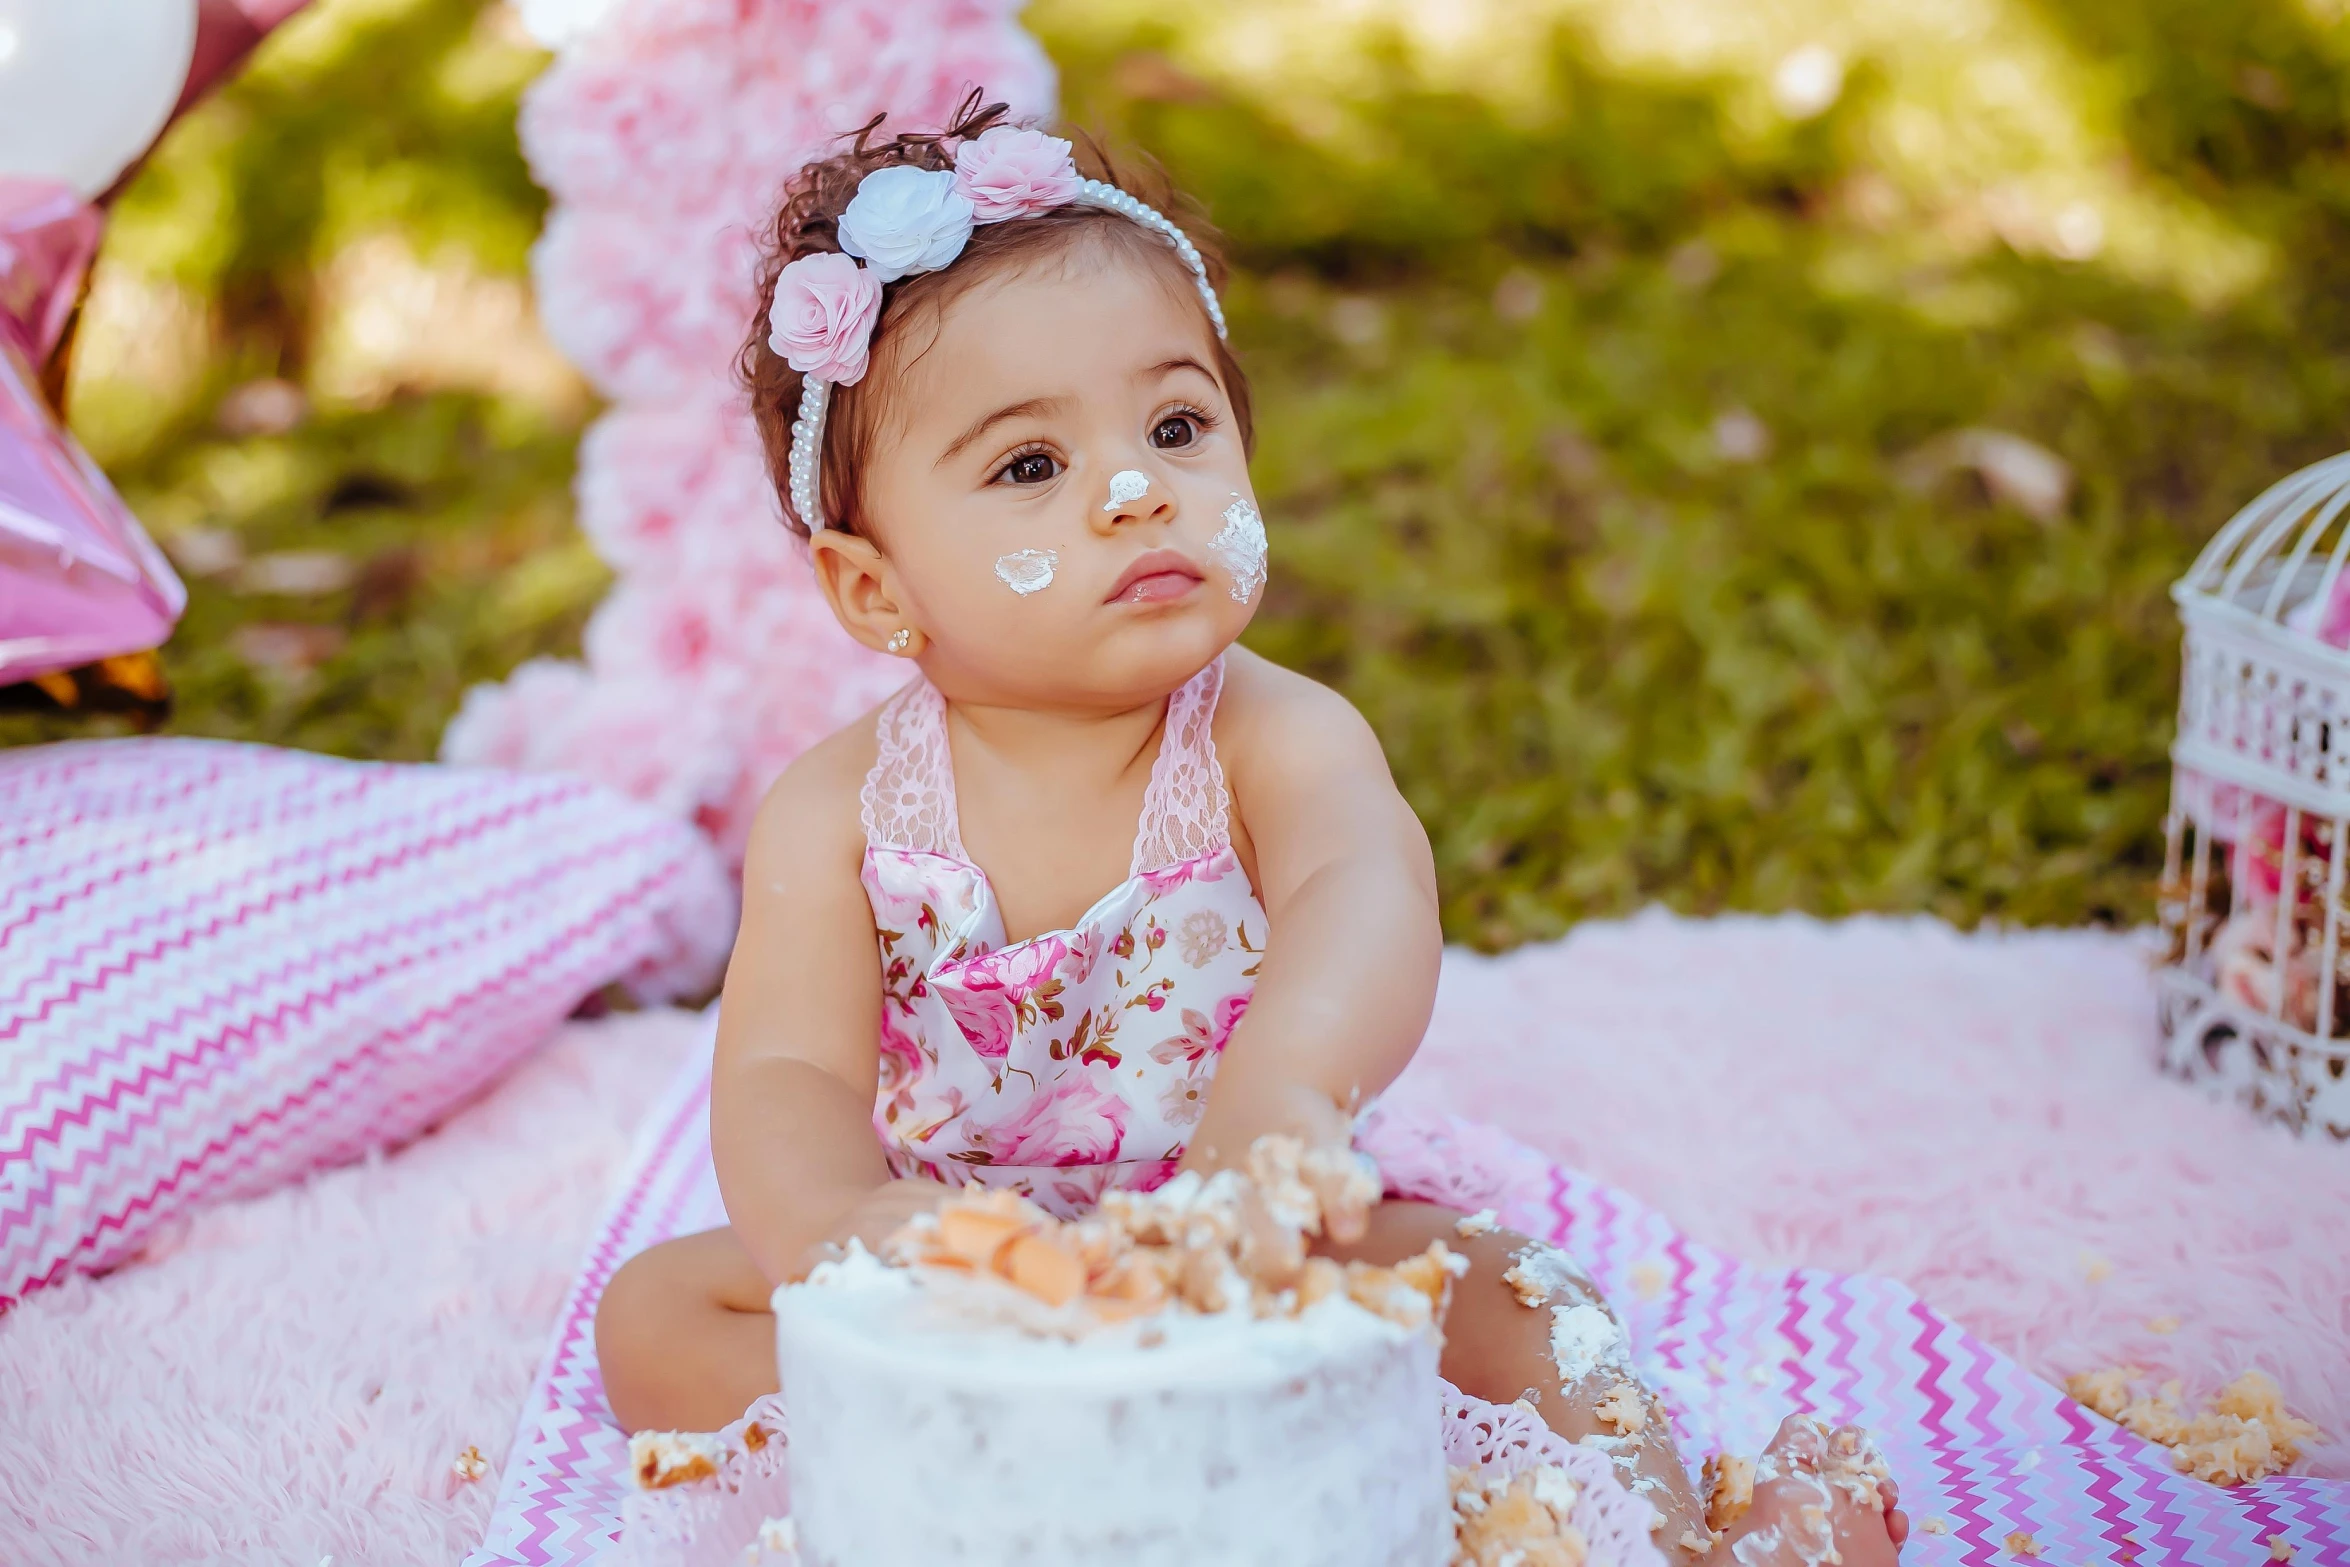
[[79, 578]]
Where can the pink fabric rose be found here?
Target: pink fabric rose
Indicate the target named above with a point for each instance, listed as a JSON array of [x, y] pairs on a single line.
[[1209, 867], [985, 1017], [823, 315], [901, 1057], [1072, 1123], [993, 994], [1014, 172], [1021, 971], [1229, 1012]]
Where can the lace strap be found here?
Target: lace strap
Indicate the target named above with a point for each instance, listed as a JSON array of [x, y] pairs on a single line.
[[908, 801], [1186, 811]]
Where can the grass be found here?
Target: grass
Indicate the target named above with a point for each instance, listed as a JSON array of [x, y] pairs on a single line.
[[1597, 439]]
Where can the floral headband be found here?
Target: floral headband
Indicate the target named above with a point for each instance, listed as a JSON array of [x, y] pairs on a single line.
[[905, 220]]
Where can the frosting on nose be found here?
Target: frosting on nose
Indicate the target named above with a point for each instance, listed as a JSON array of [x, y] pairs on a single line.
[[1126, 485]]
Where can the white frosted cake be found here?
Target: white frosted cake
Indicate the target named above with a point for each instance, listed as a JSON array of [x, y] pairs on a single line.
[[1167, 1384]]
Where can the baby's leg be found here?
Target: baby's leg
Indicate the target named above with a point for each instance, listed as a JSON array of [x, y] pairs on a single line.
[[684, 1336], [1526, 1322]]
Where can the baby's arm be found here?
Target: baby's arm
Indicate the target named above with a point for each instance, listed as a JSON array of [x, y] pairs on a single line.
[[791, 1092], [1345, 874]]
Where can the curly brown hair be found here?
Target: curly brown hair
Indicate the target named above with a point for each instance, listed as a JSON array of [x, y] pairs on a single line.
[[808, 222]]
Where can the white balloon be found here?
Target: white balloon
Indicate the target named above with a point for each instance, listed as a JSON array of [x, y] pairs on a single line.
[[86, 85], [558, 24]]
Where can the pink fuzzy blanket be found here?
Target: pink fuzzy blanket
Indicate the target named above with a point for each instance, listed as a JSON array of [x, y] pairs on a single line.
[[1974, 1115]]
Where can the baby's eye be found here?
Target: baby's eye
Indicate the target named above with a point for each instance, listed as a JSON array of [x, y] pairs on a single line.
[[1029, 468], [1175, 430]]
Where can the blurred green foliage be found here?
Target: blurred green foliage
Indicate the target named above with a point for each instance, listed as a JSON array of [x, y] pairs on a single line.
[[1616, 657], [442, 512], [1598, 428]]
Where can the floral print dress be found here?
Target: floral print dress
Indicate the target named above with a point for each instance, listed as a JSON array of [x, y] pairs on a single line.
[[1078, 1060]]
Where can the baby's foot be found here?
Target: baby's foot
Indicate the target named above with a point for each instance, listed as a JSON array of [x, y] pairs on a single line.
[[1821, 1498]]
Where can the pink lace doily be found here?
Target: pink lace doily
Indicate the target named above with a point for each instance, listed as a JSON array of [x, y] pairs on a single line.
[[712, 1523], [1506, 1439]]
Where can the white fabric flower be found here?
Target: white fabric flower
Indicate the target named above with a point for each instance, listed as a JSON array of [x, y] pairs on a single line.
[[905, 220]]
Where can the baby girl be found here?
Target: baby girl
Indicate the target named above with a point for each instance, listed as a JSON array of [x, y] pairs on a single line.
[[1099, 895]]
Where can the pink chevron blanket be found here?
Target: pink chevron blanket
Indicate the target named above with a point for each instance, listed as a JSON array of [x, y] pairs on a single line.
[[1985, 1451]]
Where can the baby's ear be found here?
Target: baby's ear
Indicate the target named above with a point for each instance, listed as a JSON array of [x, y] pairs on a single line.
[[860, 587]]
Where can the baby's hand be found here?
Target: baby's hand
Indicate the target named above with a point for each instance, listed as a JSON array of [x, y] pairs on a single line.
[[875, 1218]]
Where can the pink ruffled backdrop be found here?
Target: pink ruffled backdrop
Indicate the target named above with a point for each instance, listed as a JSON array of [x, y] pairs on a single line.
[[664, 137]]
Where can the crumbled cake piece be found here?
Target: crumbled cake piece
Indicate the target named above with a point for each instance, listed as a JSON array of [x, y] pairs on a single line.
[[2245, 1434], [662, 1459], [1649, 1280], [1053, 1273], [2021, 1544], [1694, 1543], [1471, 1225], [1539, 1272], [2280, 1549], [2105, 1391], [777, 1544], [470, 1465], [1524, 1521], [1728, 1483], [1235, 1238], [754, 1436], [1623, 1409], [1934, 1524]]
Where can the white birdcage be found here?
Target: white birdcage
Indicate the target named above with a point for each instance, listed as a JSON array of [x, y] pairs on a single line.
[[2255, 993]]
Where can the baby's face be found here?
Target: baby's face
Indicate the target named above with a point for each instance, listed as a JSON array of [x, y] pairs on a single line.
[[1049, 491]]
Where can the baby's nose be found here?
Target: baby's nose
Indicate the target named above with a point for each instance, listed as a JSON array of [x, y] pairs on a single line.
[[1135, 495]]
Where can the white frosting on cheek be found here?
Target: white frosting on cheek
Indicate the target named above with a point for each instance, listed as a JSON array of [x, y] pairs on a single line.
[[1240, 548], [1126, 485], [1027, 571]]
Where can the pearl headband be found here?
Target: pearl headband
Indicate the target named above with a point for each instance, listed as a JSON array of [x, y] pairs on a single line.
[[905, 221]]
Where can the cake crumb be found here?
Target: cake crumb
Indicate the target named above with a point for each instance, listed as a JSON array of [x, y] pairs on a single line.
[[1694, 1543], [1471, 1225], [1623, 1409], [470, 1465], [1727, 1482], [777, 1544], [1648, 1280], [1524, 1521], [1412, 1294], [662, 1459], [1539, 1272], [1934, 1524], [1233, 1240], [2245, 1434], [2022, 1544], [2280, 1549]]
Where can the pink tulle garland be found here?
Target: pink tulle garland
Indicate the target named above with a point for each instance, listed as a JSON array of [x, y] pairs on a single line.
[[664, 138]]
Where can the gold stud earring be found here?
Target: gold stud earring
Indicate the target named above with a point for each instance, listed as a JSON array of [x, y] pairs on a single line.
[[900, 640]]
